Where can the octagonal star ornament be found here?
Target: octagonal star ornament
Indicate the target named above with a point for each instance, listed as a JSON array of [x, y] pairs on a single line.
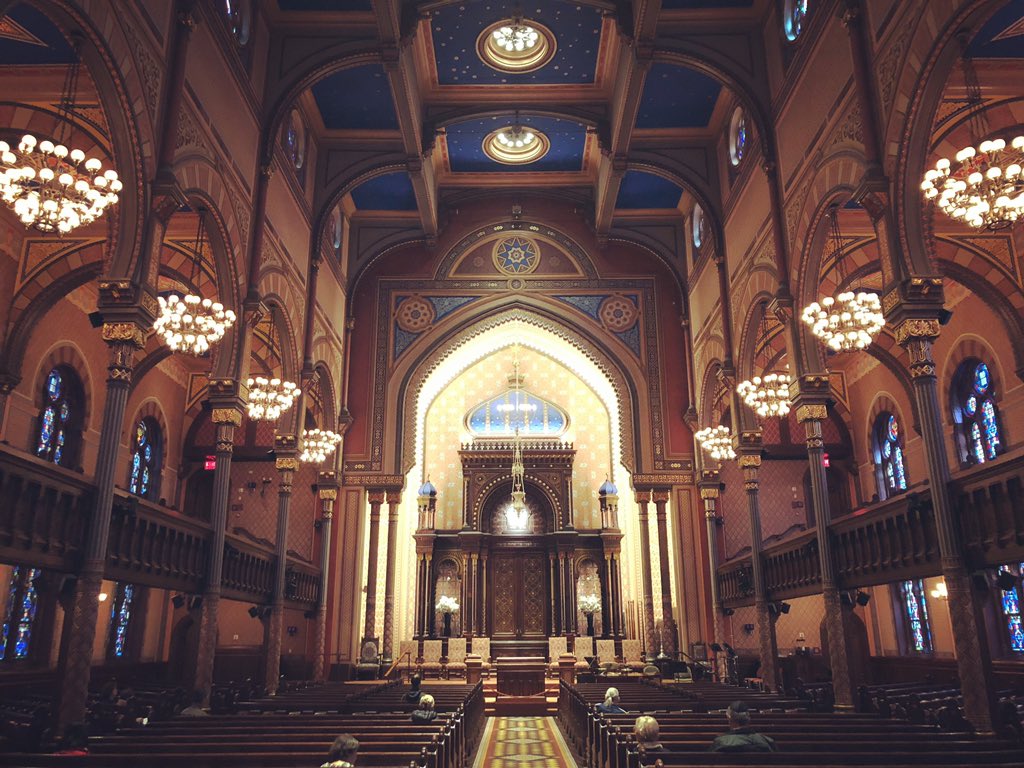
[[516, 255]]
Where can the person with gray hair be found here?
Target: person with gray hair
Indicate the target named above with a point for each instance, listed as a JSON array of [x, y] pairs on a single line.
[[741, 736], [646, 731], [610, 705], [342, 753], [425, 712]]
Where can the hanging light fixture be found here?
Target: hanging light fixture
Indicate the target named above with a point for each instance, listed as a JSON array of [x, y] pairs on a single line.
[[850, 320], [984, 184], [767, 395], [50, 186], [317, 445], [269, 397], [717, 441], [518, 513], [517, 136], [190, 323], [516, 36]]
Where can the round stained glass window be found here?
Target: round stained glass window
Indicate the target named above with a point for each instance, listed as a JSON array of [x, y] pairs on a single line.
[[893, 428], [981, 379], [54, 385], [971, 406], [140, 434], [698, 227], [737, 136], [796, 11]]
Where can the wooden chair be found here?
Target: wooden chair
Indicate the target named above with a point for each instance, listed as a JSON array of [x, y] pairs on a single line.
[[556, 647], [431, 659], [368, 667], [584, 649], [606, 653], [632, 654], [411, 647], [456, 656], [482, 648]]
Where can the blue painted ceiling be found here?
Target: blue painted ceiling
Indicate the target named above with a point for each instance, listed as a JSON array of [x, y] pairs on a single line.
[[356, 98], [692, 4], [677, 97], [1002, 36], [646, 191], [27, 36], [455, 29], [390, 192], [465, 145], [325, 5]]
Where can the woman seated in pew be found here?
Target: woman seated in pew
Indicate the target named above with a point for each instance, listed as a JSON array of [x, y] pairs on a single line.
[[412, 696], [342, 753], [741, 737], [646, 731], [425, 712], [195, 709], [610, 705]]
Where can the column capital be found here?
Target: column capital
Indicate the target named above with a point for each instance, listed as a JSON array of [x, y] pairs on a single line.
[[394, 496], [811, 412], [643, 497], [375, 496], [710, 492], [122, 332], [921, 296], [661, 496]]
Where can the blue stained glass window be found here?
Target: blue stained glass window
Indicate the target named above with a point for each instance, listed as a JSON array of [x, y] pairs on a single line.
[[517, 409], [9, 606], [981, 379], [796, 11], [145, 457], [698, 227], [46, 431], [20, 613], [991, 428], [916, 610], [971, 406], [54, 385], [979, 450], [1010, 604], [975, 413], [59, 417], [741, 138], [889, 454], [120, 617]]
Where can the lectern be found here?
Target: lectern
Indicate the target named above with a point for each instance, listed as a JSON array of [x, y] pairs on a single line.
[[520, 675]]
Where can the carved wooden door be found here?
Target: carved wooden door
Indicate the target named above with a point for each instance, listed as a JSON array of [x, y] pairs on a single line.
[[520, 601]]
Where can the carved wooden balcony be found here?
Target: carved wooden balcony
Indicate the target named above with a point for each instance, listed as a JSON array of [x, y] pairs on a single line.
[[735, 583], [792, 568], [989, 500], [248, 571]]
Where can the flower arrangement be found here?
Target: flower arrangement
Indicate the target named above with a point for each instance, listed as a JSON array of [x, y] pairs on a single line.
[[590, 603], [447, 604]]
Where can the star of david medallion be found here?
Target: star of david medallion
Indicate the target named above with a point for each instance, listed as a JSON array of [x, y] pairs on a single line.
[[516, 255]]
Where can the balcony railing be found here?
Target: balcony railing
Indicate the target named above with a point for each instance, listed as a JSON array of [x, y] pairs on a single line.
[[791, 567], [990, 502]]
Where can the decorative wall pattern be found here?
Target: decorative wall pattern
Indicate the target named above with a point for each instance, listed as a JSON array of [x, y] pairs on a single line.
[[415, 314]]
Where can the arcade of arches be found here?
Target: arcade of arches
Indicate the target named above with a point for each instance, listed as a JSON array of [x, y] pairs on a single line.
[[462, 254]]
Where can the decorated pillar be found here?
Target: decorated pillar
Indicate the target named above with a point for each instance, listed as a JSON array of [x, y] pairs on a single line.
[[287, 463], [611, 537], [556, 624], [376, 498], [917, 334], [749, 459], [710, 489], [123, 336], [394, 498], [426, 504], [327, 490], [643, 499], [669, 642], [482, 628]]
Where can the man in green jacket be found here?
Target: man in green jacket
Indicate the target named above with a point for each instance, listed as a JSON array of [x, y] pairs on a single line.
[[741, 737]]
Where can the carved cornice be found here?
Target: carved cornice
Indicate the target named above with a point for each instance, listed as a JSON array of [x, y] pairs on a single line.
[[287, 463], [917, 329], [131, 332], [811, 412], [226, 416], [381, 482]]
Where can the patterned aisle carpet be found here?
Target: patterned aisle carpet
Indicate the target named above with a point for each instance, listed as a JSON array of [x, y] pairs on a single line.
[[523, 742]]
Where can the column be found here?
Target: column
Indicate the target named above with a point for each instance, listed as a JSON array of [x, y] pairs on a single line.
[[750, 462], [811, 410], [669, 643], [394, 498], [617, 591], [709, 492], [569, 591], [483, 629], [226, 415], [556, 628], [287, 463], [469, 609], [643, 499], [376, 498], [327, 490], [966, 606], [428, 602], [123, 338]]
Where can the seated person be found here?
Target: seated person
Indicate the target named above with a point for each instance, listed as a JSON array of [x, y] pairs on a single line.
[[424, 713], [412, 696], [741, 737], [342, 753], [646, 731], [195, 709], [610, 705]]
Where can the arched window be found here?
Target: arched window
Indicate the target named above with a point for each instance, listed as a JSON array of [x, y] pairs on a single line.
[[888, 450], [19, 614], [979, 436], [59, 431], [915, 607], [1009, 602], [239, 18], [794, 15], [146, 457], [738, 136], [293, 140], [699, 234], [120, 620]]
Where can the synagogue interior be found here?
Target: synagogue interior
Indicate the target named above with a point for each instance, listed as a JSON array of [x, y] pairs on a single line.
[[470, 383]]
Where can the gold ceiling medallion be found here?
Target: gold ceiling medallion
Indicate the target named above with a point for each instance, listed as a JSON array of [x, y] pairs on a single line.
[[516, 255], [516, 145], [516, 45]]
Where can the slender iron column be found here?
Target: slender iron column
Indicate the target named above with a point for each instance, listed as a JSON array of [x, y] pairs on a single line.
[[394, 498], [327, 490], [287, 464], [376, 498], [643, 499], [709, 491], [669, 642]]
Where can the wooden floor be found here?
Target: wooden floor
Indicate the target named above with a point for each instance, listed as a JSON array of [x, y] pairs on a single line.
[[523, 742]]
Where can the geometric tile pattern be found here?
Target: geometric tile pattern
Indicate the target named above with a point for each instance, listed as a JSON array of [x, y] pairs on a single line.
[[512, 742]]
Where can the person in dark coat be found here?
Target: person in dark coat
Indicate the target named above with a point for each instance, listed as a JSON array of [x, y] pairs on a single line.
[[741, 736], [412, 696]]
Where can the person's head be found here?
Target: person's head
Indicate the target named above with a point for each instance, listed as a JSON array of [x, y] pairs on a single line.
[[198, 696], [426, 702], [646, 730], [415, 681], [345, 747], [738, 715], [611, 696]]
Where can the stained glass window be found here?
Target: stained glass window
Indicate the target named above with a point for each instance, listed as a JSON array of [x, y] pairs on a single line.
[[916, 610], [120, 619], [58, 421], [889, 455], [19, 614], [1010, 604], [145, 471], [698, 227], [738, 136], [796, 11], [975, 413]]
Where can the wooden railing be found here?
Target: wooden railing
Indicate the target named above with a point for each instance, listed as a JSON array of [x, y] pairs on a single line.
[[735, 582], [248, 571], [990, 503], [791, 567], [302, 584]]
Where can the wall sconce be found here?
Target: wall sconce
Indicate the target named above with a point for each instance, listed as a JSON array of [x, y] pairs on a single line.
[[103, 597], [748, 628], [940, 592], [292, 631], [266, 481], [251, 486]]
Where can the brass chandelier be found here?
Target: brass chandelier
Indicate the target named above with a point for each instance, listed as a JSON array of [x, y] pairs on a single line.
[[768, 394], [269, 397], [717, 442]]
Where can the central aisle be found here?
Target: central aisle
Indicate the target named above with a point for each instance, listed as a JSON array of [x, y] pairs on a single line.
[[511, 742]]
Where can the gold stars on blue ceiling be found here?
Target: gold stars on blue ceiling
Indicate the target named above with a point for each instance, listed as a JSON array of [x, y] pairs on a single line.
[[645, 191], [28, 37], [677, 97], [1002, 36], [455, 28], [466, 154], [390, 192], [357, 98]]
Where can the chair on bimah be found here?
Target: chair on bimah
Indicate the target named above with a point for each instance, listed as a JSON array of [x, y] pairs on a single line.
[[557, 647], [456, 658], [583, 650], [430, 662], [633, 655], [368, 667], [408, 657], [481, 647]]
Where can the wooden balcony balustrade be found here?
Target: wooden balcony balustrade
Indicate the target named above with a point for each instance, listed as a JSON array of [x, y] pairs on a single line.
[[791, 567], [248, 571], [990, 503], [736, 582]]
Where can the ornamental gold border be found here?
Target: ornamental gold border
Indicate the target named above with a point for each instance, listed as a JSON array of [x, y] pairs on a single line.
[[499, 59], [500, 153]]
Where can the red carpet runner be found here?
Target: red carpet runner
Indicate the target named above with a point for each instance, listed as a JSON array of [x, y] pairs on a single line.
[[523, 742]]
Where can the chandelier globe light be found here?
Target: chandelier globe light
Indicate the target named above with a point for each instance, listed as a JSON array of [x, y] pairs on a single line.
[[51, 186], [189, 323], [717, 442], [516, 36], [850, 320], [766, 395], [268, 398], [317, 445], [983, 186]]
